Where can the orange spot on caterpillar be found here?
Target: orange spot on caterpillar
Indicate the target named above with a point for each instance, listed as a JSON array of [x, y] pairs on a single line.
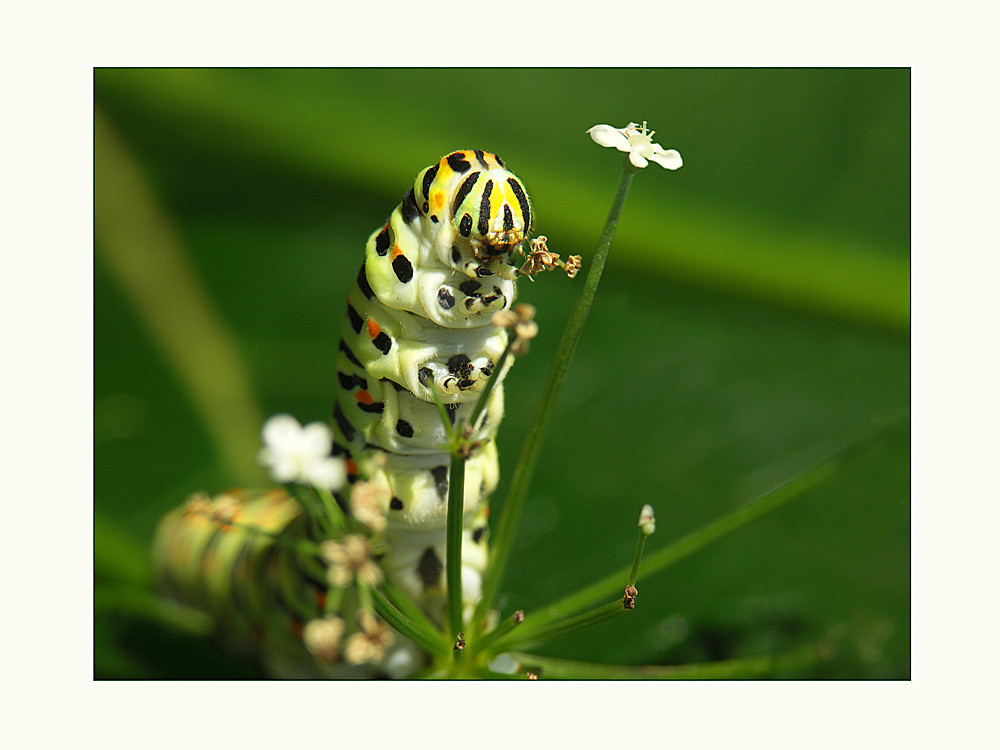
[[320, 598], [352, 468], [396, 251], [373, 328], [364, 397], [296, 628], [437, 200]]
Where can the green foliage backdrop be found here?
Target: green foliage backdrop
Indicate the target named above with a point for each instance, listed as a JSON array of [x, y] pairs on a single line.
[[754, 317]]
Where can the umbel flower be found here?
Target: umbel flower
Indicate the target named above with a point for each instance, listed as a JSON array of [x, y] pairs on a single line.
[[293, 453], [637, 142], [350, 558]]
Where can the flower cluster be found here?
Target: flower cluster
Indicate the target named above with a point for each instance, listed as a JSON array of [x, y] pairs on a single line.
[[539, 259]]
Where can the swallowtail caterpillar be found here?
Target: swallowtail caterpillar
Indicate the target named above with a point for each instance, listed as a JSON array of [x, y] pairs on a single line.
[[417, 326]]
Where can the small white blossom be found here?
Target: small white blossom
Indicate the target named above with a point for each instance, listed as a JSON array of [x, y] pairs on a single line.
[[637, 142], [647, 521], [293, 453]]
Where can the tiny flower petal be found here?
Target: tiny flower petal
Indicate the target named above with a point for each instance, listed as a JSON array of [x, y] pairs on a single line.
[[605, 135], [280, 429], [637, 159], [668, 159]]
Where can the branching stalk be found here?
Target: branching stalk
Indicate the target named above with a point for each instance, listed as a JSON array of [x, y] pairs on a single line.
[[732, 669], [430, 641], [516, 497], [672, 553]]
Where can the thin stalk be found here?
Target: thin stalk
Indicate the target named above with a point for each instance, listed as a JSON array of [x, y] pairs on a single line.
[[486, 640], [401, 601], [732, 669], [491, 383], [448, 429], [678, 550], [334, 596], [430, 641], [333, 511], [634, 573], [548, 631], [453, 550], [322, 525], [514, 503]]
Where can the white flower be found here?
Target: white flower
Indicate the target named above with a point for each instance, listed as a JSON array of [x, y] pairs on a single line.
[[647, 522], [293, 453], [638, 143]]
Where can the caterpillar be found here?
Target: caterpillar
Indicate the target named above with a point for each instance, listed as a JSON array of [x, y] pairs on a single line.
[[416, 332]]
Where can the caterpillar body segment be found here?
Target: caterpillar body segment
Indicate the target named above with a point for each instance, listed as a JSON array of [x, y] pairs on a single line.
[[417, 328]]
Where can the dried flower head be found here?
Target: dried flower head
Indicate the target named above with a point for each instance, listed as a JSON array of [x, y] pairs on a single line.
[[350, 558], [573, 265], [322, 638], [539, 258], [631, 592]]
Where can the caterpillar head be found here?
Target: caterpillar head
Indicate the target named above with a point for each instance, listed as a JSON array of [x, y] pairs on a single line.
[[487, 205]]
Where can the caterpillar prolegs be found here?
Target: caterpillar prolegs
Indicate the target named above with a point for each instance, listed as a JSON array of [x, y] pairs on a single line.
[[417, 330]]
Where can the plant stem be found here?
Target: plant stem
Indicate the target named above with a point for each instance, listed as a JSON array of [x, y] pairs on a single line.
[[711, 532], [333, 511], [634, 573], [448, 429], [732, 669], [401, 601], [516, 497], [547, 630], [429, 641], [453, 558], [484, 397], [486, 640]]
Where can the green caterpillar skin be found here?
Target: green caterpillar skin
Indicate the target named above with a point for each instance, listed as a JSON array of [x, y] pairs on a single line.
[[417, 323]]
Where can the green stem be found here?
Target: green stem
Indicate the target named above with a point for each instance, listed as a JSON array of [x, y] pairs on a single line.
[[401, 601], [709, 533], [486, 640], [333, 511], [494, 378], [733, 669], [453, 559], [547, 630], [634, 573], [448, 429], [321, 524], [429, 641], [516, 497]]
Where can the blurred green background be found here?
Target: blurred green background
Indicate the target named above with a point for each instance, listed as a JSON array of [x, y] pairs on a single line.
[[753, 318]]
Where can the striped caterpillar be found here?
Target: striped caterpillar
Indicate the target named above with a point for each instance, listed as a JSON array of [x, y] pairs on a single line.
[[417, 329]]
